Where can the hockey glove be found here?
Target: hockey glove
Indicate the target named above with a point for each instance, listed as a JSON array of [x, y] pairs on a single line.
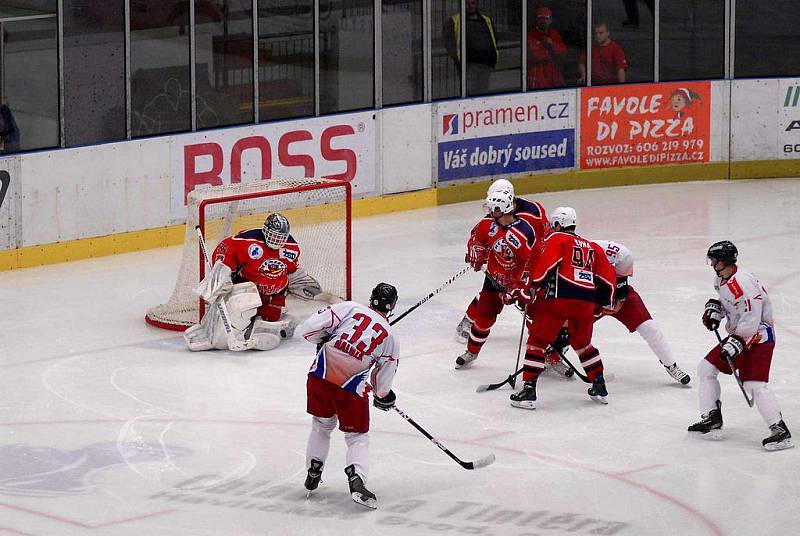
[[732, 346], [384, 403], [477, 254], [518, 293], [712, 316], [622, 290]]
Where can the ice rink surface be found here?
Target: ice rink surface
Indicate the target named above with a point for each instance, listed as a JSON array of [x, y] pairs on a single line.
[[110, 426]]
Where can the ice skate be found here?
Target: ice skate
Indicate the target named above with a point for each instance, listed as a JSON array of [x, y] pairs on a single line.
[[780, 439], [679, 375], [463, 329], [358, 491], [314, 476], [555, 364], [526, 398], [710, 425], [598, 391], [465, 359]]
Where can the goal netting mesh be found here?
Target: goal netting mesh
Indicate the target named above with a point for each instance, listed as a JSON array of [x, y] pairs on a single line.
[[319, 217]]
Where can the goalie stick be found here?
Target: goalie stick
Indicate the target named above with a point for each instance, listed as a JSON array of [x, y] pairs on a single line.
[[429, 296], [477, 464], [729, 361], [234, 344]]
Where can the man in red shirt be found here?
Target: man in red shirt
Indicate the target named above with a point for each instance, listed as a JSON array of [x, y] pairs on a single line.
[[608, 59], [546, 49]]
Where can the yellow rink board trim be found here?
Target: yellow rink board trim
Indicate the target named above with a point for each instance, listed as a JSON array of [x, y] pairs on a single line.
[[447, 194]]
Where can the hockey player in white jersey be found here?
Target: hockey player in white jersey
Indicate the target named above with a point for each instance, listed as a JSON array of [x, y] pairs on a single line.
[[356, 353], [745, 305], [629, 309]]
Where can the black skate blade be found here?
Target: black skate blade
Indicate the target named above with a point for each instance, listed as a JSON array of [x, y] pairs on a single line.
[[711, 435]]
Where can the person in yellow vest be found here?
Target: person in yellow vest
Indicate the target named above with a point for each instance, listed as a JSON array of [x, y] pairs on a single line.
[[482, 53]]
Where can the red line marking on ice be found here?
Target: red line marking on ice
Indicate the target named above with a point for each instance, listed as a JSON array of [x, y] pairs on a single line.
[[14, 531], [79, 523], [639, 469]]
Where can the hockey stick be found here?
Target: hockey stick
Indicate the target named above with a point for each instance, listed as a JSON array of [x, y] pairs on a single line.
[[726, 357], [233, 344], [513, 377], [429, 296], [493, 386], [477, 464]]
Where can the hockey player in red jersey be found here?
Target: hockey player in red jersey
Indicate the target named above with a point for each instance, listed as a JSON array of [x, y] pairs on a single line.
[[745, 305], [251, 272], [503, 242], [573, 274], [356, 353], [629, 309], [530, 211]]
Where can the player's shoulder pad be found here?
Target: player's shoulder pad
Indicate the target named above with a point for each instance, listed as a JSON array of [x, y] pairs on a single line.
[[523, 205], [250, 234], [525, 229]]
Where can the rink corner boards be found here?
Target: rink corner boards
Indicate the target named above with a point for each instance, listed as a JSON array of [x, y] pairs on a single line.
[[128, 242]]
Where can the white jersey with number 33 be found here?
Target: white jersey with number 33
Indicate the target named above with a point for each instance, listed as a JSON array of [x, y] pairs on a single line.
[[359, 339]]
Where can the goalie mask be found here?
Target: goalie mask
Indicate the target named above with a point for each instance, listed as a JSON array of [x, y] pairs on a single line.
[[276, 230], [499, 200], [383, 298]]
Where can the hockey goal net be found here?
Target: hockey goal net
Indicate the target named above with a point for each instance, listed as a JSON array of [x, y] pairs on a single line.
[[319, 217]]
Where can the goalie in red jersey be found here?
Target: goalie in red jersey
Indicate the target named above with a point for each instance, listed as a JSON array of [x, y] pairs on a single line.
[[571, 274], [252, 272], [530, 211], [503, 242]]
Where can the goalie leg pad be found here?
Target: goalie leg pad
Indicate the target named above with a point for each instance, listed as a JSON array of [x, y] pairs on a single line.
[[242, 302], [209, 334], [303, 285], [266, 335]]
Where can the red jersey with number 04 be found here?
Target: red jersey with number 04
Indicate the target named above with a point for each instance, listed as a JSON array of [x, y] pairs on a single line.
[[359, 339], [509, 247], [249, 258], [575, 268]]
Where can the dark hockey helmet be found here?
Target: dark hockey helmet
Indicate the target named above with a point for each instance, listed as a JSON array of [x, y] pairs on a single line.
[[276, 230], [723, 251], [383, 298]]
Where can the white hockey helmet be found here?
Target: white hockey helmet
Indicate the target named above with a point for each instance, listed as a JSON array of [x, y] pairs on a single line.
[[564, 216], [501, 184], [502, 200], [276, 230]]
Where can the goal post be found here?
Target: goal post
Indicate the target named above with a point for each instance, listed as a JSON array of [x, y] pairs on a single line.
[[319, 214]]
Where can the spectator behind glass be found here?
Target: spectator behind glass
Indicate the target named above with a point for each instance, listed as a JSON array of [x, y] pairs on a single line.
[[632, 12], [608, 59], [546, 50], [9, 131], [482, 53]]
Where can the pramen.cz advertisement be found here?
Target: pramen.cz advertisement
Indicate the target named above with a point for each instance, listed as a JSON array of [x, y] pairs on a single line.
[[505, 135]]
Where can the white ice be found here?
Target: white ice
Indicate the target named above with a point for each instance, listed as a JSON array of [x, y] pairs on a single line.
[[109, 426]]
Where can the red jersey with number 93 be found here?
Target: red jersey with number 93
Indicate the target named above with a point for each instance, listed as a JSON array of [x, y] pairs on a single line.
[[359, 339]]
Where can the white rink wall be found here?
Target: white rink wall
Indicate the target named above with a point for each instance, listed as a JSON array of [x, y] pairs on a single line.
[[69, 194]]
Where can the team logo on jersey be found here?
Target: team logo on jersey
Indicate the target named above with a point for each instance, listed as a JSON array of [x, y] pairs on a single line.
[[513, 240], [493, 229], [449, 124], [504, 254], [288, 254], [272, 268], [255, 251]]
